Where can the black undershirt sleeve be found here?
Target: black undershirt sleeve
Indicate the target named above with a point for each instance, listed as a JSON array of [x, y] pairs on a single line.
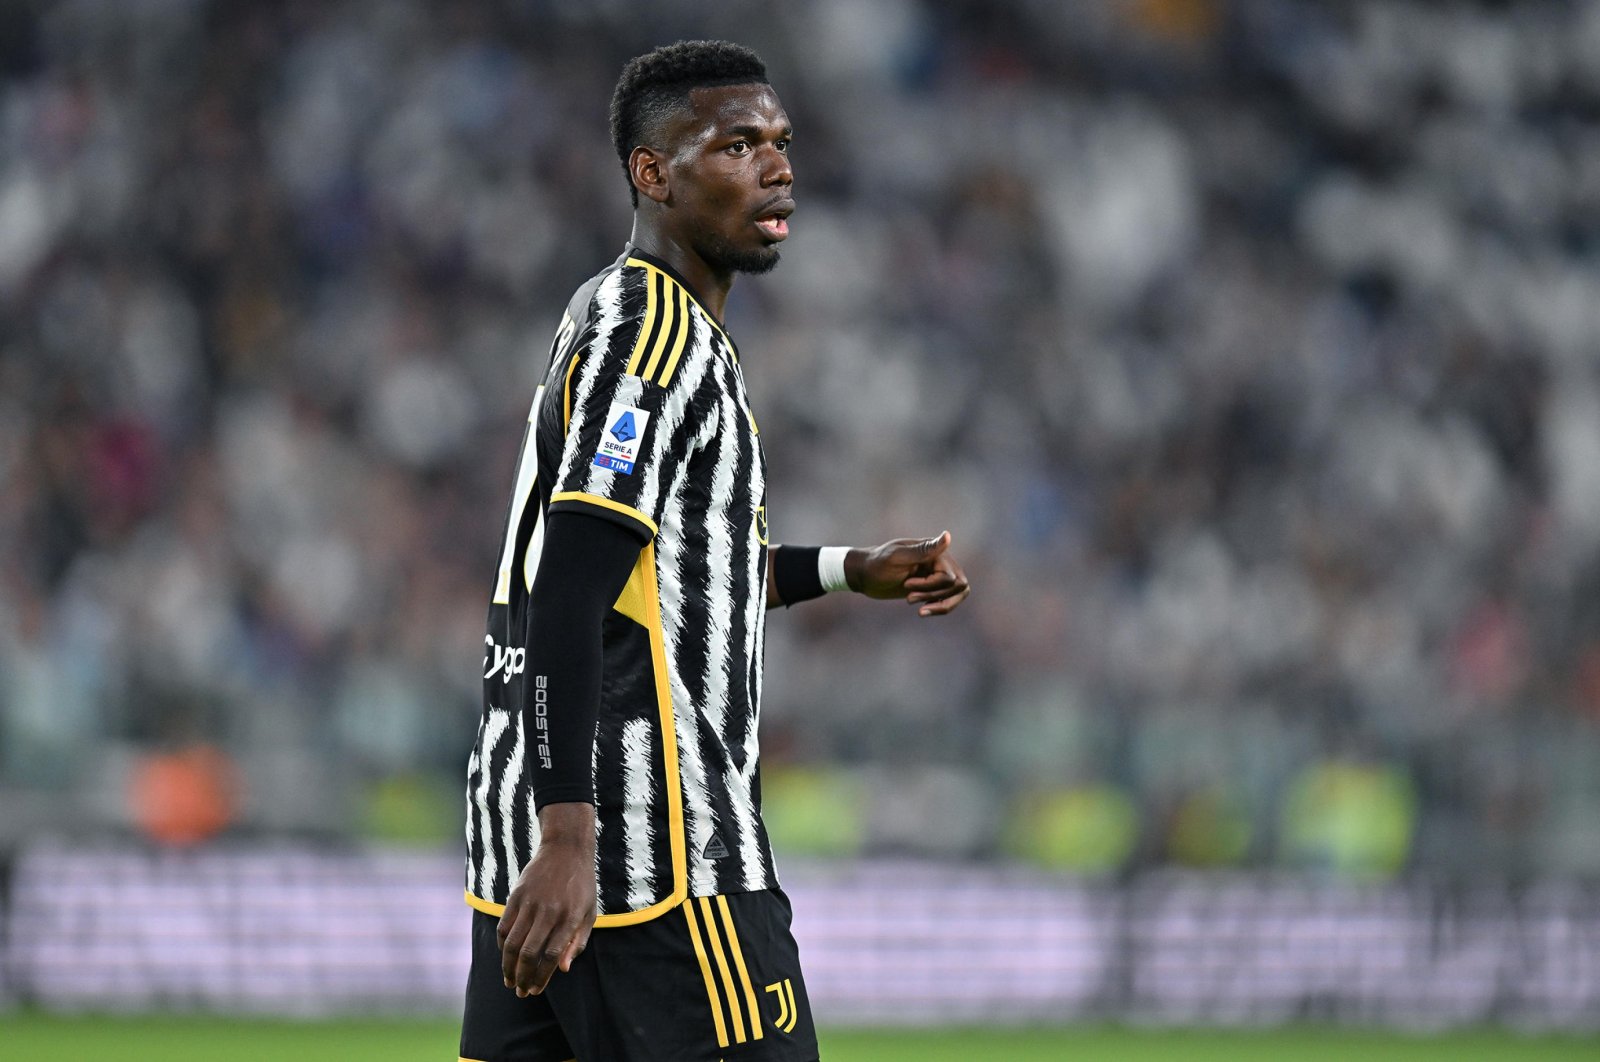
[[583, 566], [794, 573]]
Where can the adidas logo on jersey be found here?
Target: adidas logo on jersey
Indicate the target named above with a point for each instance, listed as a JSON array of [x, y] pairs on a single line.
[[715, 849]]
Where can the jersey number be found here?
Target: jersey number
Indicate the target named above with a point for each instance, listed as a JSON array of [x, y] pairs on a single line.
[[527, 474]]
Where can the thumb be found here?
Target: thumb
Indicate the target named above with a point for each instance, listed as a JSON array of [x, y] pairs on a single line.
[[932, 547]]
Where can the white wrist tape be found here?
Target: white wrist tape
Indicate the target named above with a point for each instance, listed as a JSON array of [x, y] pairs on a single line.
[[830, 567]]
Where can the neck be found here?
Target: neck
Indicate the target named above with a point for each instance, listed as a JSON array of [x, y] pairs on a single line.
[[710, 285]]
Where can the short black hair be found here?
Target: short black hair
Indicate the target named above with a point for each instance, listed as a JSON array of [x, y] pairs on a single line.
[[655, 84]]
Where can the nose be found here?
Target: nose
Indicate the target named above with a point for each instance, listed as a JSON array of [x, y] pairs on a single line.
[[777, 171]]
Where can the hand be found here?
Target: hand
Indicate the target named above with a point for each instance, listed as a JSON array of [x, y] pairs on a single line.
[[919, 569], [551, 909]]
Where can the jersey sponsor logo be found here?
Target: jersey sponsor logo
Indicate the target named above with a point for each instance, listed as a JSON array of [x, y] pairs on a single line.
[[619, 443], [508, 661]]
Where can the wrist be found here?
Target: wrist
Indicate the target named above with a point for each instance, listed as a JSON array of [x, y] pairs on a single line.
[[567, 823], [800, 573], [833, 568], [855, 569]]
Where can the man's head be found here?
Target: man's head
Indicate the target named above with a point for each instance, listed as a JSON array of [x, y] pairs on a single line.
[[704, 142]]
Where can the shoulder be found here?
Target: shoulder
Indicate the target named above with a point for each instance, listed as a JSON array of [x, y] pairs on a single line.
[[642, 321], [609, 295], [657, 314], [602, 321]]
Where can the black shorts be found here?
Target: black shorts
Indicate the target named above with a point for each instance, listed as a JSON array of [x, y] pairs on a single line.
[[716, 979]]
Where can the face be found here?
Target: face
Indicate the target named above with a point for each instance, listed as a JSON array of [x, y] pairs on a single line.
[[728, 180]]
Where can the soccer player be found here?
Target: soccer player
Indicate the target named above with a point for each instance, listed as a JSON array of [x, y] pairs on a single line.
[[614, 785]]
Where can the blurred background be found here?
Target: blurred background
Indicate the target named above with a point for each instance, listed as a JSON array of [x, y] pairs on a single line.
[[1250, 349]]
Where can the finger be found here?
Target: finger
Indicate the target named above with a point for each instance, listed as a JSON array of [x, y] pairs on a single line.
[[537, 959], [935, 595], [948, 604], [930, 585], [946, 573], [575, 947], [512, 931], [925, 550], [514, 909]]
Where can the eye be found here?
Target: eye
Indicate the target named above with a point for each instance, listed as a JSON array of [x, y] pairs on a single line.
[[783, 145], [739, 147]]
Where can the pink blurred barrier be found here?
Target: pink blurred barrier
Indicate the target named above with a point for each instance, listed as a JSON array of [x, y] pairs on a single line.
[[299, 930]]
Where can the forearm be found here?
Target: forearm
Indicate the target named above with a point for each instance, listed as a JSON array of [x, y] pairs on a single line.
[[919, 571], [582, 568], [800, 573]]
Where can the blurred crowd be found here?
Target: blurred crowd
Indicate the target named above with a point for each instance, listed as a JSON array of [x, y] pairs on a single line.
[[1248, 348]]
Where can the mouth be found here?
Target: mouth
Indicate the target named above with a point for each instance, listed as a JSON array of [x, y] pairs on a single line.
[[774, 222]]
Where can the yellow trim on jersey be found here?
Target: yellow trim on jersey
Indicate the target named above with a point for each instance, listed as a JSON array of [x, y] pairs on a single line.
[[566, 393], [478, 903], [464, 1058], [661, 315], [679, 344], [606, 503], [643, 914], [645, 324], [722, 967], [669, 318], [705, 972], [669, 751], [612, 921], [653, 270], [633, 602], [738, 961]]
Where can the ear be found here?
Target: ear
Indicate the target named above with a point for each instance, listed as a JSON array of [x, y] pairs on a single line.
[[649, 171]]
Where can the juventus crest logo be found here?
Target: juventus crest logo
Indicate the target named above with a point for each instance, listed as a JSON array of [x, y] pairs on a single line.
[[788, 1012]]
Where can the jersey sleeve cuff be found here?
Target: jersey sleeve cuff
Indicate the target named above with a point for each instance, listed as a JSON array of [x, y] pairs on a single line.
[[562, 793], [616, 512], [795, 574]]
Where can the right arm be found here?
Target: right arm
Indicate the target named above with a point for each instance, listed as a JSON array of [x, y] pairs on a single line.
[[548, 917]]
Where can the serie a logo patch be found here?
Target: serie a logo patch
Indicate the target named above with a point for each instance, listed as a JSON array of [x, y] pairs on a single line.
[[619, 441]]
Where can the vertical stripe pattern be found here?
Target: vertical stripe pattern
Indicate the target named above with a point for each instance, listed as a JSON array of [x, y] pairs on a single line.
[[638, 830], [713, 996], [675, 754], [730, 990], [737, 950]]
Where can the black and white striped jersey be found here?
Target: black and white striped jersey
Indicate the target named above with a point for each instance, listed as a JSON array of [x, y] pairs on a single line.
[[642, 418]]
